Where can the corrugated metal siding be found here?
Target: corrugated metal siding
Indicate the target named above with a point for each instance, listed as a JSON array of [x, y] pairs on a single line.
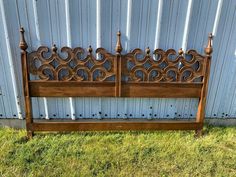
[[154, 23]]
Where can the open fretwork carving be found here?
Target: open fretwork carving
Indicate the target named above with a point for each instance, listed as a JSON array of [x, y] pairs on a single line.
[[163, 66], [77, 65]]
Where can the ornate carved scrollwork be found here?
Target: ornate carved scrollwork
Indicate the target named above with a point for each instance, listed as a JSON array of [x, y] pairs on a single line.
[[163, 66], [77, 65], [135, 66]]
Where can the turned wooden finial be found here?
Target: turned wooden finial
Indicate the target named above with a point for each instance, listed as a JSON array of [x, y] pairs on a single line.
[[118, 43], [54, 48], [23, 45], [147, 51], [90, 50], [180, 52], [209, 49]]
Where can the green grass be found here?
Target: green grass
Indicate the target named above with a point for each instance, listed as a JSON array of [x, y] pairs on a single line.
[[119, 153]]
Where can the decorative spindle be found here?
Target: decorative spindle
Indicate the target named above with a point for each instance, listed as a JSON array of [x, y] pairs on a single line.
[[54, 48], [147, 51], [118, 43], [90, 50], [23, 45], [181, 52], [209, 49]]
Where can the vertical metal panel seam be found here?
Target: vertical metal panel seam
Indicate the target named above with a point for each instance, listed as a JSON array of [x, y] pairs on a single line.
[[217, 17], [128, 24], [184, 43], [198, 21], [146, 41], [157, 35], [214, 32], [227, 46], [51, 40], [233, 25], [163, 101], [128, 33], [187, 22], [89, 39], [147, 23], [13, 74], [180, 101], [158, 24], [139, 22], [69, 43], [217, 59], [98, 42], [39, 40], [98, 20]]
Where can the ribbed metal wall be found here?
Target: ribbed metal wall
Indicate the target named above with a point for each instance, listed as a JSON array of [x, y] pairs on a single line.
[[154, 23]]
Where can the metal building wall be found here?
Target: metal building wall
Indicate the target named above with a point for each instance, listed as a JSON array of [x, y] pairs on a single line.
[[154, 23]]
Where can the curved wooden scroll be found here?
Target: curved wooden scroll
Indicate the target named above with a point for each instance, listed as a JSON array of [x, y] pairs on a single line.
[[160, 68], [78, 65]]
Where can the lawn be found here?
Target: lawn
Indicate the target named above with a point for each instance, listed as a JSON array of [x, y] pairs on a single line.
[[119, 153]]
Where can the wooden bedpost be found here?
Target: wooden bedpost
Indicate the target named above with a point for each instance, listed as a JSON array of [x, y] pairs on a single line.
[[28, 109], [202, 102], [118, 65]]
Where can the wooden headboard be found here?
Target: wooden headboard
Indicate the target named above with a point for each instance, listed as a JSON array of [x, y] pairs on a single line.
[[85, 73]]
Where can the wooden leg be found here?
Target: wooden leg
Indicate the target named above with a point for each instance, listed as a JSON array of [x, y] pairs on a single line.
[[198, 133], [30, 134], [200, 117]]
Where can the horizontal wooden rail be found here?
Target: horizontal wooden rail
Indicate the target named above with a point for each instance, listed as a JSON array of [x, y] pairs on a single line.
[[71, 89], [107, 89], [110, 125], [162, 90]]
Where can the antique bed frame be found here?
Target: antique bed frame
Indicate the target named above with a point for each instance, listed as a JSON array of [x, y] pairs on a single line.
[[80, 74]]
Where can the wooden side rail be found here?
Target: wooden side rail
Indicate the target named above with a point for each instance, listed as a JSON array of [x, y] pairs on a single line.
[[80, 73]]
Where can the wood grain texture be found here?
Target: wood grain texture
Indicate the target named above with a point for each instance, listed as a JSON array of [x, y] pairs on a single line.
[[28, 105], [162, 90], [163, 66], [71, 89], [161, 74], [77, 65], [107, 89], [202, 102], [101, 126]]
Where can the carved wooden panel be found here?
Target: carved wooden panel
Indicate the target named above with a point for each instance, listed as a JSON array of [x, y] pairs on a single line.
[[163, 66], [76, 65]]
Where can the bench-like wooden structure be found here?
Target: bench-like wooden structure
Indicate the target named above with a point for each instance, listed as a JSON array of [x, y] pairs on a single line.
[[161, 74]]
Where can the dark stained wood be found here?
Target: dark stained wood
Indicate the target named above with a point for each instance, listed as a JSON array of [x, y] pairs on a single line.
[[118, 75], [162, 90], [163, 66], [71, 89], [161, 74], [87, 126], [202, 102], [118, 43], [28, 106], [98, 89], [118, 65], [79, 65]]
